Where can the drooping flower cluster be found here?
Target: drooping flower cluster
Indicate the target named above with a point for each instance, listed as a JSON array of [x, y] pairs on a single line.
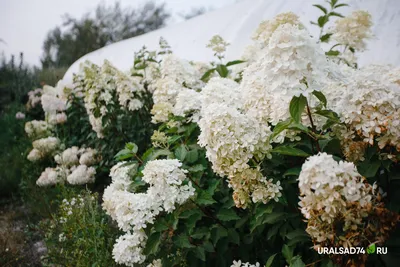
[[133, 211], [353, 30], [340, 206], [106, 87], [176, 76], [74, 166]]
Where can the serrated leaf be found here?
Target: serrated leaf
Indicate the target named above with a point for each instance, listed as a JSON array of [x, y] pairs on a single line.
[[200, 253], [233, 236], [297, 262], [290, 151], [270, 261], [287, 252], [217, 232], [181, 152], [321, 97], [200, 233], [152, 244], [192, 156], [190, 223], [182, 241], [227, 215], [204, 198], [212, 186], [280, 127], [296, 107], [234, 62], [323, 9]]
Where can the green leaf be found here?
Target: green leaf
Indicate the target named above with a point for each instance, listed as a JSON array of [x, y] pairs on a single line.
[[192, 156], [322, 20], [293, 172], [132, 147], [287, 253], [227, 215], [297, 262], [180, 152], [321, 97], [340, 5], [332, 53], [197, 168], [217, 232], [234, 62], [158, 153], [123, 154], [329, 114], [152, 244], [204, 198], [274, 217], [369, 169], [323, 9], [200, 233], [222, 70], [296, 108], [233, 236], [200, 253], [190, 223], [290, 151], [206, 75], [280, 127], [270, 261], [335, 14], [182, 241], [325, 38]]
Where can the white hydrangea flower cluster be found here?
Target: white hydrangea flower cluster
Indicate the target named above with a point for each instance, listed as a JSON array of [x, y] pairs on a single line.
[[268, 27], [329, 190], [159, 139], [188, 102], [250, 185], [155, 263], [104, 86], [353, 30], [133, 211], [54, 103], [74, 166], [37, 129], [43, 147], [34, 98], [239, 263], [218, 45], [20, 115], [369, 105], [176, 76], [291, 64]]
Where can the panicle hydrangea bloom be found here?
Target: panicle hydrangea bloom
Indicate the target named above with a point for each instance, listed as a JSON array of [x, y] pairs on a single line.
[[239, 263], [221, 90], [188, 101], [50, 176], [176, 76], [250, 185], [68, 157], [231, 138], [37, 129], [34, 98], [218, 45], [369, 105], [291, 64], [128, 249], [89, 156], [155, 263], [353, 30], [133, 211], [268, 27], [44, 147], [159, 139], [104, 86], [54, 103], [81, 175]]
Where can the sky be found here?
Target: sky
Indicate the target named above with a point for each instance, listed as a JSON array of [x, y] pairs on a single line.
[[24, 24]]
